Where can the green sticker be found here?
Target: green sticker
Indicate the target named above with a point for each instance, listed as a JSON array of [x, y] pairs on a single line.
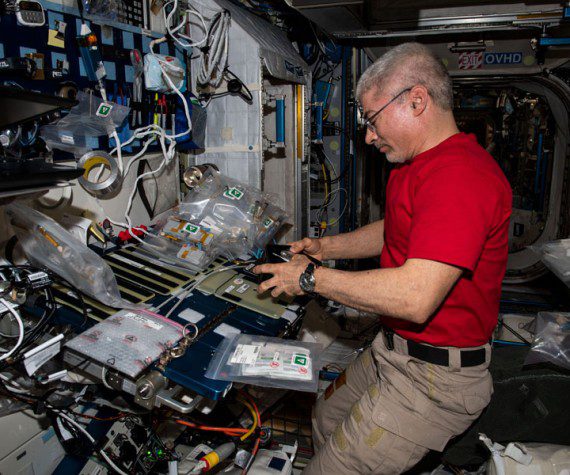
[[104, 109], [300, 360], [268, 222], [191, 228], [233, 193]]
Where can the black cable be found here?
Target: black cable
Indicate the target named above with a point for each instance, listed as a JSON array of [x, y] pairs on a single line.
[[330, 70], [249, 97], [517, 334], [55, 277], [10, 247], [80, 8], [142, 192]]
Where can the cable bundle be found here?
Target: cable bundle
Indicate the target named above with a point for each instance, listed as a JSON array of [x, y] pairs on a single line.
[[213, 59]]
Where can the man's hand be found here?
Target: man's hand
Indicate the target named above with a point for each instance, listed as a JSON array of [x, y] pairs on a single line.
[[312, 247], [285, 278]]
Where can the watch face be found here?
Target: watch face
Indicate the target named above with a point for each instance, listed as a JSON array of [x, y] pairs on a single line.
[[307, 280]]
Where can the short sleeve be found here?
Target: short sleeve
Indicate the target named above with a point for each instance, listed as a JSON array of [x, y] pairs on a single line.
[[452, 215]]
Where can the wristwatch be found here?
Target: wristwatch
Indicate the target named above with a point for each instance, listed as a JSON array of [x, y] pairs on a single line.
[[307, 279]]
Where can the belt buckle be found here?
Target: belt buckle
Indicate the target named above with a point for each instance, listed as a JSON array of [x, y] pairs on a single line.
[[388, 335]]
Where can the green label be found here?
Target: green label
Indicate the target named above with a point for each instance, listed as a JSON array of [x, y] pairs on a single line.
[[268, 222], [104, 109], [300, 360], [233, 193], [192, 228]]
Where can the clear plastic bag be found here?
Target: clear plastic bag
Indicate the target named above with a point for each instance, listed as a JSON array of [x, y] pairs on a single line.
[[91, 117], [552, 340], [268, 362], [271, 221], [556, 256], [103, 9], [178, 252], [129, 341], [241, 218], [48, 244]]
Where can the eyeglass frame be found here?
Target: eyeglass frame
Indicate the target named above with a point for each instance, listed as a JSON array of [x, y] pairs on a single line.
[[368, 123]]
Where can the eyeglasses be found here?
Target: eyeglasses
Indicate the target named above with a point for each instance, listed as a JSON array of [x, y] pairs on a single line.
[[369, 123]]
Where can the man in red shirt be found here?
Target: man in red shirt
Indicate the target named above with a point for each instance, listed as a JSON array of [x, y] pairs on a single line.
[[443, 247]]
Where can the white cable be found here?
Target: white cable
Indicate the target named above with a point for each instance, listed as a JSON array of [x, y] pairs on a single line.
[[75, 423], [168, 154], [13, 385], [154, 130], [183, 23], [214, 60], [119, 154], [331, 194], [91, 439], [20, 329], [137, 156]]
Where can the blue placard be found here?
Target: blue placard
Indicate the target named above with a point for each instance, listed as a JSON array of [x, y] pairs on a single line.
[[498, 59]]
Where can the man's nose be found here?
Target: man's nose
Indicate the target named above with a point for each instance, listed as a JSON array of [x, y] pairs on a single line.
[[370, 136]]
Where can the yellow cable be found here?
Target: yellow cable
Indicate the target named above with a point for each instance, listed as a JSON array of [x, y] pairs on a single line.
[[325, 180], [255, 421]]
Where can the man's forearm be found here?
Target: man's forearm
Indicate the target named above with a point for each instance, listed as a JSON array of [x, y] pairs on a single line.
[[364, 242], [381, 291], [412, 292]]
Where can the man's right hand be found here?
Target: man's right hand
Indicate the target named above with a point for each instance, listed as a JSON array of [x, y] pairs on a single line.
[[311, 247]]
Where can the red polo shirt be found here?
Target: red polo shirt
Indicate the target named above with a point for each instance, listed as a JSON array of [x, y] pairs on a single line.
[[451, 204]]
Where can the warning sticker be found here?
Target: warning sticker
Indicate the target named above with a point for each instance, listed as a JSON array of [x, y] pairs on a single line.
[[470, 60]]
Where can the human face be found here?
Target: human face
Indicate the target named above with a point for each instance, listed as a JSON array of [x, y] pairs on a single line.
[[370, 121], [388, 138]]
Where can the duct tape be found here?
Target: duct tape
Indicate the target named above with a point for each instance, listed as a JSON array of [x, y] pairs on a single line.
[[55, 197], [99, 188]]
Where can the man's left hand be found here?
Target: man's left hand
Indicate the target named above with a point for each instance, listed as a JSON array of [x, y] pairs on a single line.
[[285, 278]]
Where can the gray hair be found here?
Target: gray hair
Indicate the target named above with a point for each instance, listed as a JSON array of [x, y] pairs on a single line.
[[407, 65]]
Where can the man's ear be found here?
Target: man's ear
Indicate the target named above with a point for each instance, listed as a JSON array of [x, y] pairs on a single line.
[[419, 97]]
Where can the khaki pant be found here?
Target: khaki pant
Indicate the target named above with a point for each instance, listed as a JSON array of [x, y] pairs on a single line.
[[388, 409]]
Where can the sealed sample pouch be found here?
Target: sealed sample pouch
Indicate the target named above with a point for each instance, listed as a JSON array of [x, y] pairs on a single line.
[[266, 361], [91, 117], [552, 340], [48, 244], [176, 251], [241, 218]]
